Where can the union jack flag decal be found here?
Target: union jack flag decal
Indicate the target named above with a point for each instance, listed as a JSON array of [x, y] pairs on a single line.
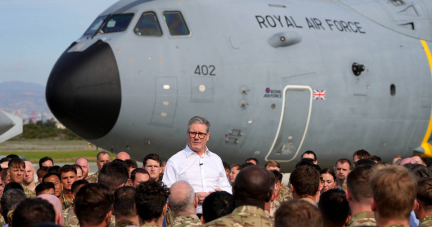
[[319, 94]]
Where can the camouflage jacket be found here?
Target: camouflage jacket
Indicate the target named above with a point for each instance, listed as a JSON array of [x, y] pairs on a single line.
[[149, 225], [250, 216], [2, 221], [66, 203], [29, 193], [426, 221], [169, 217], [93, 178], [285, 194], [66, 212], [366, 218], [125, 223], [71, 220], [186, 220]]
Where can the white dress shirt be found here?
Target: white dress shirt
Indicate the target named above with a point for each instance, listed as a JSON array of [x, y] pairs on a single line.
[[204, 174]]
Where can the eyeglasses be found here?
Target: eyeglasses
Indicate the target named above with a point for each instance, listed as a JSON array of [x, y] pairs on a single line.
[[200, 134]]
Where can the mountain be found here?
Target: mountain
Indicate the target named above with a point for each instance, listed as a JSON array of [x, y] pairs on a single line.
[[23, 98]]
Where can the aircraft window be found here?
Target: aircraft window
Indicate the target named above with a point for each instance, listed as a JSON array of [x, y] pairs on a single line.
[[94, 27], [392, 90], [117, 23], [148, 25], [176, 23]]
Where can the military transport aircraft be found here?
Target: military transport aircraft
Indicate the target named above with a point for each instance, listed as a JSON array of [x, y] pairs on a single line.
[[274, 77]]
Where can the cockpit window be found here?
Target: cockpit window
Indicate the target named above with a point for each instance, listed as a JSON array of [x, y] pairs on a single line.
[[94, 27], [148, 25], [176, 24], [117, 23]]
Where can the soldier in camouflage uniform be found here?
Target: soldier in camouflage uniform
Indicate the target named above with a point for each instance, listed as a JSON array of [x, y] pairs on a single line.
[[93, 178], [279, 197], [342, 169], [359, 196], [124, 210], [28, 182], [68, 175], [87, 198], [29, 193], [251, 190], [102, 158], [185, 215], [423, 209], [147, 194]]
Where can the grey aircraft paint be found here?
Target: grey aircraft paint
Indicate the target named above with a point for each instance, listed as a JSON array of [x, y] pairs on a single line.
[[275, 78]]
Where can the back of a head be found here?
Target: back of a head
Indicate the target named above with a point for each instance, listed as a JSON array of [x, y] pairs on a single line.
[[124, 203], [33, 211], [424, 194], [130, 163], [9, 200], [394, 192], [334, 207], [298, 213], [13, 185], [364, 162], [92, 203], [358, 183], [77, 185], [43, 187], [182, 198], [217, 205], [418, 170], [150, 199], [246, 164], [305, 180], [361, 154], [308, 162], [54, 169], [252, 185], [226, 166], [113, 175]]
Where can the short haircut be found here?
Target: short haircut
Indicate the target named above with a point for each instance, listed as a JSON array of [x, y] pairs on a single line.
[[334, 207], [92, 203], [217, 205], [365, 161], [182, 201], [43, 187], [418, 170], [358, 182], [305, 180], [5, 159], [253, 159], [130, 163], [328, 171], [308, 162], [342, 161], [235, 165], [76, 185], [9, 200], [199, 120], [272, 163], [33, 211], [421, 157], [49, 175], [54, 169], [361, 154], [113, 175], [124, 202], [78, 167], [42, 171], [16, 163], [376, 159], [309, 152], [138, 170], [278, 176], [102, 152], [67, 168], [226, 165], [150, 199], [13, 185], [298, 213], [244, 165], [154, 157], [44, 159], [394, 192], [424, 193], [12, 156]]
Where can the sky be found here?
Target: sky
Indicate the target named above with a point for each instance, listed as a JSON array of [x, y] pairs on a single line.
[[34, 33]]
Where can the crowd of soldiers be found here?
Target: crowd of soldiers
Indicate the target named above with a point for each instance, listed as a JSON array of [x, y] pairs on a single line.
[[366, 193]]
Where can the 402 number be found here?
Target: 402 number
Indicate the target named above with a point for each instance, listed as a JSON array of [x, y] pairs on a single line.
[[205, 70]]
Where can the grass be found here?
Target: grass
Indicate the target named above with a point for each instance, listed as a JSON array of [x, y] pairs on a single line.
[[59, 150]]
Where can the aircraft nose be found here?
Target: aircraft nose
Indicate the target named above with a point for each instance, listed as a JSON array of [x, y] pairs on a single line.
[[83, 91]]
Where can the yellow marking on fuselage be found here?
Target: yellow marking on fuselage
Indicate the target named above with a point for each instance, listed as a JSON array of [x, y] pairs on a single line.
[[426, 146]]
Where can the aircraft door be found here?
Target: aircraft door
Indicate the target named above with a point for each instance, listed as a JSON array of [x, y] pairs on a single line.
[[293, 124]]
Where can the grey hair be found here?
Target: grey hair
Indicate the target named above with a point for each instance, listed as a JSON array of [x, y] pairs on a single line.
[[182, 203], [199, 120]]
